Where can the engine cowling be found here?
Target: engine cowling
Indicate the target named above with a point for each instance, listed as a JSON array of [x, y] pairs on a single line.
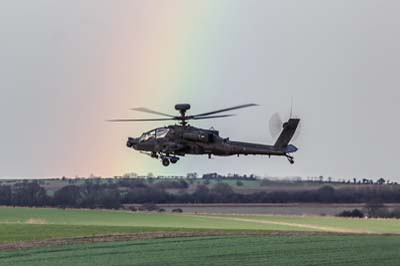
[[198, 136]]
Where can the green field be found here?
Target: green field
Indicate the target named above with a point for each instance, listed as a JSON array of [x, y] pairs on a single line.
[[76, 222], [228, 250], [280, 240], [87, 222]]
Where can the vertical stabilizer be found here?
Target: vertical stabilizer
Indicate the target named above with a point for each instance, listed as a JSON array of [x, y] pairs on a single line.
[[289, 128]]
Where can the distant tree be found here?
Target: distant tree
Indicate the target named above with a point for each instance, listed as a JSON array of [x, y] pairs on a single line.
[[100, 196], [222, 189], [110, 198], [183, 184], [239, 183], [201, 194], [193, 175], [222, 192], [68, 196], [5, 195], [326, 194], [131, 182], [279, 197], [29, 194], [211, 176], [147, 195], [356, 213], [177, 184], [376, 209], [380, 181], [130, 175]]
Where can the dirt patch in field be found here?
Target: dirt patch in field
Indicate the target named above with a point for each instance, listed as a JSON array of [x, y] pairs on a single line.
[[35, 221], [144, 236]]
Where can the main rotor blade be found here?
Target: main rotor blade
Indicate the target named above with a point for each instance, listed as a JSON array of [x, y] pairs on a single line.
[[226, 109], [209, 117], [146, 110], [140, 120]]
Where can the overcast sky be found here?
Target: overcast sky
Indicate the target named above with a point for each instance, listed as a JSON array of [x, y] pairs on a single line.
[[66, 66]]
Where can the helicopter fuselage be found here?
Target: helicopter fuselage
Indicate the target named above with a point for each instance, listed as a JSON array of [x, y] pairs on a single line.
[[173, 141]]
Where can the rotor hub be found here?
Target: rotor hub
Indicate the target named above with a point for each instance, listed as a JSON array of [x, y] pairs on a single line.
[[182, 108]]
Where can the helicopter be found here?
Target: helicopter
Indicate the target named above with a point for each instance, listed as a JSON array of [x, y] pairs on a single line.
[[169, 143]]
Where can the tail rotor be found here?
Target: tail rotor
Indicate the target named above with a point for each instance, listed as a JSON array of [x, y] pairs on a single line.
[[276, 125]]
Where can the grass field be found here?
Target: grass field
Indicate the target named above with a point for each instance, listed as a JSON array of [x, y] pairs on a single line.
[[113, 221], [275, 240], [228, 250]]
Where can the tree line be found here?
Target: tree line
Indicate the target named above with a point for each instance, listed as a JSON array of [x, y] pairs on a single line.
[[136, 191]]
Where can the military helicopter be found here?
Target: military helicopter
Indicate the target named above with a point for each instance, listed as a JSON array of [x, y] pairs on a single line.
[[171, 142]]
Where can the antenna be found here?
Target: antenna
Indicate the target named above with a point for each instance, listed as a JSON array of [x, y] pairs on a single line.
[[291, 107]]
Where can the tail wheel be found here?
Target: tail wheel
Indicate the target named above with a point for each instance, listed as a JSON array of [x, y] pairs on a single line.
[[290, 159], [165, 162]]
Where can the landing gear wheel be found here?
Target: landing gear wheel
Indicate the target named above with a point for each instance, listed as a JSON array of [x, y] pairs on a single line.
[[165, 162], [290, 159], [174, 160]]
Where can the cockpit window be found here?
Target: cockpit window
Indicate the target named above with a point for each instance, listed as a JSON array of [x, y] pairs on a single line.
[[147, 136], [156, 133], [161, 132]]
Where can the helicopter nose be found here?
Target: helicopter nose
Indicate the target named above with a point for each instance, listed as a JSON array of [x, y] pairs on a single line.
[[132, 142]]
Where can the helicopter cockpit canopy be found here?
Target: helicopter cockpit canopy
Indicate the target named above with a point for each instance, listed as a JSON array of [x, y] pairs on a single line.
[[157, 133], [148, 135], [161, 132]]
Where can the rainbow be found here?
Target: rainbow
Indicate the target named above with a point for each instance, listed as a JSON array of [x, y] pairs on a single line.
[[157, 60]]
